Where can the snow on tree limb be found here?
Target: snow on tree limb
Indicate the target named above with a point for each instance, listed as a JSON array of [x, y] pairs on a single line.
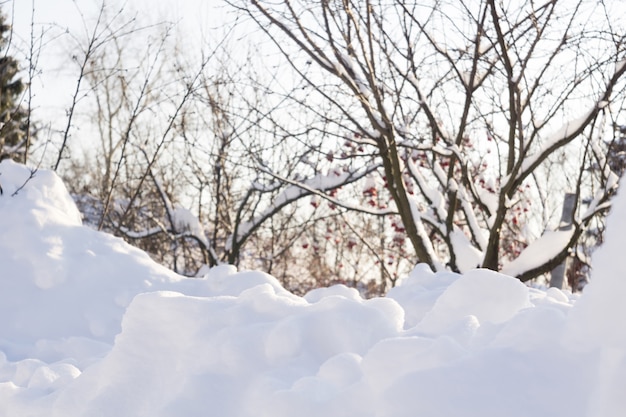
[[564, 134], [539, 252], [296, 190]]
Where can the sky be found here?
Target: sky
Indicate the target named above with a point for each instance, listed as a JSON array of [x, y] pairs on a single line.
[[61, 23], [65, 13], [56, 19]]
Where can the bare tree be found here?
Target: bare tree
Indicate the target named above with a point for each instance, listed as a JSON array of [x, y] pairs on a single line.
[[465, 107], [386, 134], [188, 164]]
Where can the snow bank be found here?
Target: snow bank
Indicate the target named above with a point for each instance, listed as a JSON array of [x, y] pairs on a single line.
[[93, 327], [61, 280], [598, 313], [597, 322]]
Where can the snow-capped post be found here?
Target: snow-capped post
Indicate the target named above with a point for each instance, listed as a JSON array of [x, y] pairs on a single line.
[[557, 277]]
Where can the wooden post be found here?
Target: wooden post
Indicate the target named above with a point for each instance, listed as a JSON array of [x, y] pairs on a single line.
[[557, 278]]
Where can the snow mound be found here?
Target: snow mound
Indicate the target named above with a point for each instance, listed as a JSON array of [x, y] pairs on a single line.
[[478, 296], [600, 310], [61, 281], [93, 327], [597, 321]]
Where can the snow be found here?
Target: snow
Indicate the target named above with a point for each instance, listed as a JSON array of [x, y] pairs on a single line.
[[602, 307], [93, 327], [562, 133], [619, 66], [539, 252], [185, 220], [461, 308], [467, 256]]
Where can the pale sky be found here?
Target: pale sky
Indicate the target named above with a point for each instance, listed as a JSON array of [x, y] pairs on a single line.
[[56, 81], [193, 13]]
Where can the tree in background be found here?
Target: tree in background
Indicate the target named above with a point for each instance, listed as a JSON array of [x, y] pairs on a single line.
[[183, 161], [479, 115], [14, 119], [354, 140]]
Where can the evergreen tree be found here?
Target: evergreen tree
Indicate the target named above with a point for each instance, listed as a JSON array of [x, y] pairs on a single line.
[[14, 119]]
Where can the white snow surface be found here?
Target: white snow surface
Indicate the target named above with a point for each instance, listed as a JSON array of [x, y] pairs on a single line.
[[93, 327], [540, 251]]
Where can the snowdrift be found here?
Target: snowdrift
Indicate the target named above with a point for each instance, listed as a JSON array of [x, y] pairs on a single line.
[[93, 327]]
